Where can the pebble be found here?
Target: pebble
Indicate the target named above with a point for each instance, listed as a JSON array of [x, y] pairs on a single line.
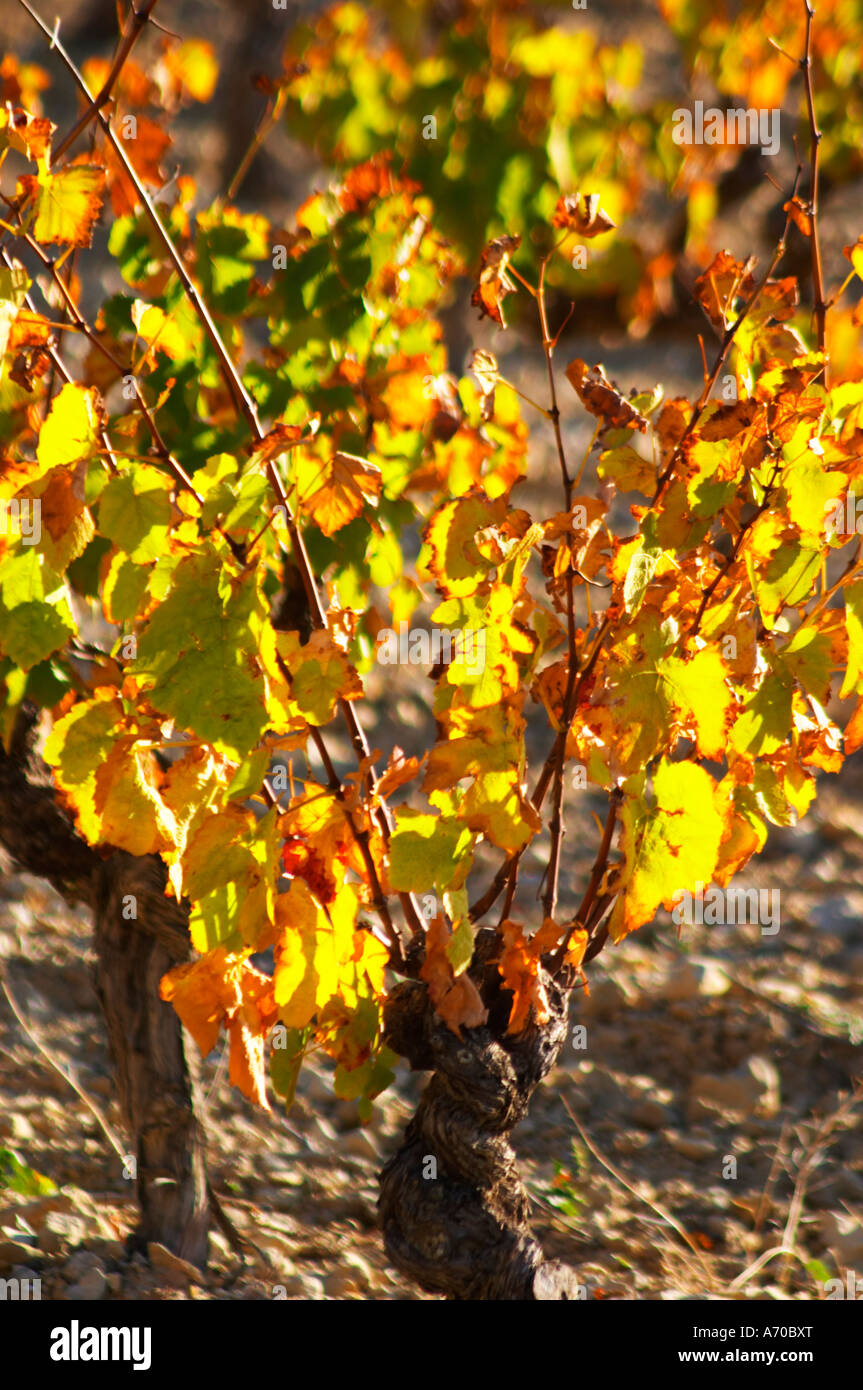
[[342, 1285], [359, 1144], [91, 1287], [304, 1286], [176, 1271], [79, 1262], [320, 1128], [70, 1229], [21, 1129], [361, 1267], [649, 1114], [693, 979], [842, 1234], [690, 1146], [754, 1087]]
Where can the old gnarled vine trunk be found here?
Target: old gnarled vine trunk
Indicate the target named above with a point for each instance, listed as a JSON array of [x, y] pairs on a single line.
[[155, 1086], [453, 1209]]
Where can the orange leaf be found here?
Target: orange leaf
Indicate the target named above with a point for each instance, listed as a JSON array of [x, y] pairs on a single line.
[[581, 213], [462, 1005], [603, 400], [350, 483], [799, 216], [853, 738], [494, 282], [519, 967], [457, 1001], [399, 770], [28, 134]]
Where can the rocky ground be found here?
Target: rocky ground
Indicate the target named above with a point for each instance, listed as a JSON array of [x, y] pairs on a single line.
[[708, 1118], [701, 1121]]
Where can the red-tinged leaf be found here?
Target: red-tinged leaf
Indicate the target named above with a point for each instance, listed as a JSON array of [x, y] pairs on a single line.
[[520, 966], [723, 287], [494, 282], [581, 213], [853, 737], [399, 771], [67, 203], [456, 1000], [366, 183], [601, 398], [28, 134], [799, 216], [349, 484]]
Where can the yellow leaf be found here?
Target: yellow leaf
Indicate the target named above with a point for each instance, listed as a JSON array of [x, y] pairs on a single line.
[[70, 431], [668, 846], [133, 815], [348, 483], [157, 329], [67, 203]]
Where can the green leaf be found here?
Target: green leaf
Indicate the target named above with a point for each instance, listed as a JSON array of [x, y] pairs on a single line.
[[16, 1176], [428, 852], [669, 845], [765, 722], [197, 651], [135, 512]]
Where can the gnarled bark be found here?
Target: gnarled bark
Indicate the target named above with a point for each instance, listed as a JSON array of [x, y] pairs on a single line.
[[453, 1209], [155, 1086]]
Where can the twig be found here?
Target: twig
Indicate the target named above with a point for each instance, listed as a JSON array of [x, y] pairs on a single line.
[[107, 1129], [246, 407], [724, 347], [549, 897], [758, 1265], [820, 306], [136, 21], [812, 1157], [581, 917], [656, 1207], [495, 888], [266, 123]]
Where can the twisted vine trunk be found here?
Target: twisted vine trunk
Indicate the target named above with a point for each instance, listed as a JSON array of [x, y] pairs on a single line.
[[139, 934], [155, 1083], [454, 1212]]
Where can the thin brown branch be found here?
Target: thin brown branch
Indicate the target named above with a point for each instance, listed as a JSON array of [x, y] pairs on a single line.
[[245, 406], [267, 122], [660, 1211], [501, 878], [725, 346], [44, 1052], [60, 366], [820, 306], [549, 897], [582, 916], [136, 22]]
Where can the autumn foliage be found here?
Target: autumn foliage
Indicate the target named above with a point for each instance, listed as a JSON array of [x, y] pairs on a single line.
[[269, 407]]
